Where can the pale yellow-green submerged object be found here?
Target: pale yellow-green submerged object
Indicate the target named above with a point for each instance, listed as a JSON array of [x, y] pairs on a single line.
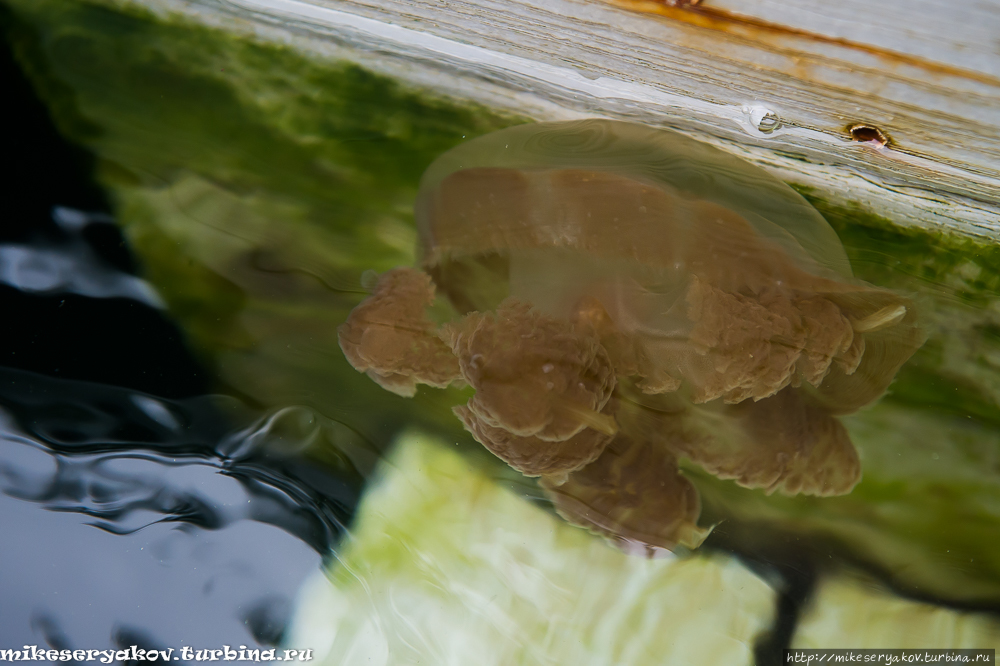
[[446, 566]]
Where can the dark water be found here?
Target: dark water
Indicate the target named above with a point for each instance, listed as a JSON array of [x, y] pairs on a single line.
[[136, 508]]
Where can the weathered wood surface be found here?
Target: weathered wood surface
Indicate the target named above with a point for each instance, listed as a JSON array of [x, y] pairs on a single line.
[[925, 73], [963, 35]]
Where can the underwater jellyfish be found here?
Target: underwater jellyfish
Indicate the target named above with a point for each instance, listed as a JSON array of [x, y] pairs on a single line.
[[628, 296]]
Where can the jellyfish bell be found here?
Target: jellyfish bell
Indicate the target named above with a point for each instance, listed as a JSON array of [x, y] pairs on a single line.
[[610, 185], [709, 273]]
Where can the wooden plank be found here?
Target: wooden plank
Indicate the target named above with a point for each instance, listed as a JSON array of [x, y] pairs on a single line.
[[710, 72], [965, 35]]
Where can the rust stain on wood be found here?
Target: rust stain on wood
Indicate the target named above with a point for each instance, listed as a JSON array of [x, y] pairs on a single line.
[[702, 16]]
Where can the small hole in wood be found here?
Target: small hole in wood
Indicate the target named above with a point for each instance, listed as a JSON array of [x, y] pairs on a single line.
[[865, 133]]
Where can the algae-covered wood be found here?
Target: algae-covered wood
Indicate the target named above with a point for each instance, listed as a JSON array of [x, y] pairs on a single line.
[[260, 164], [781, 86]]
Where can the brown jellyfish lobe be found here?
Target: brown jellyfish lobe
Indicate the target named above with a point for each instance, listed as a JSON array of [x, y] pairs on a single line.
[[390, 338], [543, 388], [633, 495], [745, 347], [784, 443]]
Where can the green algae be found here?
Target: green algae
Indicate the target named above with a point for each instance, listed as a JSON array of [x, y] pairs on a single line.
[[258, 185], [957, 280]]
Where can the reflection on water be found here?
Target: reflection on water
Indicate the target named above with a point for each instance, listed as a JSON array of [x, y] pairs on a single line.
[[71, 267], [260, 190], [222, 522]]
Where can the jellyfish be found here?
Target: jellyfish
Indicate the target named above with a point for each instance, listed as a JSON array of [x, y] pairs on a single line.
[[627, 297]]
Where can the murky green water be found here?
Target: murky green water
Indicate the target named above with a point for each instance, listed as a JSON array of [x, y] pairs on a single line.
[[257, 186]]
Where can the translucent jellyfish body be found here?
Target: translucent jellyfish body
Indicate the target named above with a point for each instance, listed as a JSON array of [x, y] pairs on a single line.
[[629, 295]]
